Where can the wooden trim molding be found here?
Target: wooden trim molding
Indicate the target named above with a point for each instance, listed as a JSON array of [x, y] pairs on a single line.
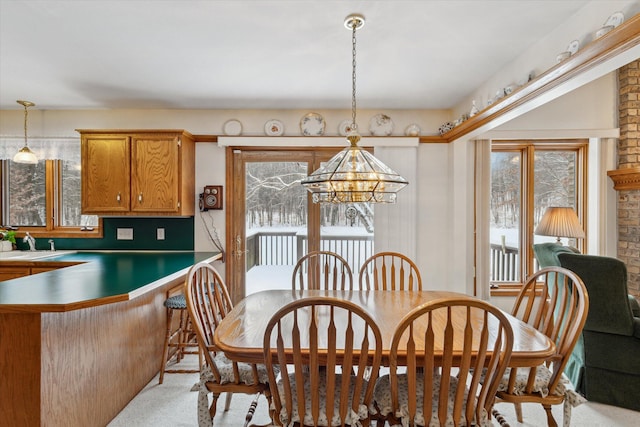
[[616, 42], [625, 179]]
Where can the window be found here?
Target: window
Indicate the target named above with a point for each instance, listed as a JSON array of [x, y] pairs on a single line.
[[526, 178], [44, 198]]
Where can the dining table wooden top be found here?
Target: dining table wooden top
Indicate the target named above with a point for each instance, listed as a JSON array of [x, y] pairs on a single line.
[[241, 333]]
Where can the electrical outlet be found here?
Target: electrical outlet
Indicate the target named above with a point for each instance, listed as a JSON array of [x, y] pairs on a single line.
[[124, 234], [160, 233]]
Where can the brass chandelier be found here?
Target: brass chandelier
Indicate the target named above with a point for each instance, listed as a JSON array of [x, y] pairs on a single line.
[[354, 175]]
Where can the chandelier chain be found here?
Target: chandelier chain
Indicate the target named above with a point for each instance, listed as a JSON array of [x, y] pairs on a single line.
[[25, 125], [354, 126]]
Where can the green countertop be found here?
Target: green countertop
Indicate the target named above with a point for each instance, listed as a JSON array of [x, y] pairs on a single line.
[[102, 278]]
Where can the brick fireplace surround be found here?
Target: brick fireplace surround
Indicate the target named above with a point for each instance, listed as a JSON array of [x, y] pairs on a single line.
[[627, 177]]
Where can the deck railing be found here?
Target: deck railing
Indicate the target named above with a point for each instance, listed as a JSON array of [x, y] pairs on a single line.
[[505, 263], [286, 247]]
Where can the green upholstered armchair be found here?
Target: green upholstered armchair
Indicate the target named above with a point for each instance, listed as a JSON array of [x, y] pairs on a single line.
[[611, 335], [547, 253], [547, 256]]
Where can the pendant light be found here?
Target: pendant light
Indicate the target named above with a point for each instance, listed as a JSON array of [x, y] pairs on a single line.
[[354, 175], [25, 155]]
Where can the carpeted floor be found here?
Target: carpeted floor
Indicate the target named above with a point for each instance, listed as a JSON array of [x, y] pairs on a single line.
[[172, 404]]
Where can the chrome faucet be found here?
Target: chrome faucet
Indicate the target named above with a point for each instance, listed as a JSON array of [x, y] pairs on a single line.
[[52, 245], [30, 240]]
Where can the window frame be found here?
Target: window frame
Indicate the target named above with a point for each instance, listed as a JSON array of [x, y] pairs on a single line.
[[53, 200], [527, 149]]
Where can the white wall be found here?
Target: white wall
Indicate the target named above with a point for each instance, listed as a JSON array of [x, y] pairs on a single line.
[[444, 174]]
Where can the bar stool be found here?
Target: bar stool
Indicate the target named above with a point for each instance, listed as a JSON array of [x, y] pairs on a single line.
[[177, 342]]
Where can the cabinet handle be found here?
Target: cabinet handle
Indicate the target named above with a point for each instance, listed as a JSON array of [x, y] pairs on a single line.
[[118, 197], [140, 197]]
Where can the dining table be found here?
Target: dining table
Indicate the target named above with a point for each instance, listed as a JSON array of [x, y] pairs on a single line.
[[240, 334]]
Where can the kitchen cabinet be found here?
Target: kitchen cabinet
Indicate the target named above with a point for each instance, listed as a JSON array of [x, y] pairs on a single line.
[[13, 272], [130, 172], [15, 269]]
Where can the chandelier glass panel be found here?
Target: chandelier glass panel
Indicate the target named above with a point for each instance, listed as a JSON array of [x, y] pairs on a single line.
[[354, 175]]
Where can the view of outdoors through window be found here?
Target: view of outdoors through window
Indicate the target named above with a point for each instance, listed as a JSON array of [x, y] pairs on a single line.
[[277, 217], [26, 194], [27, 184], [553, 181]]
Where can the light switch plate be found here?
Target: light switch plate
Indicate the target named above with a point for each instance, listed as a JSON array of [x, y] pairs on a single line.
[[160, 233], [124, 234]]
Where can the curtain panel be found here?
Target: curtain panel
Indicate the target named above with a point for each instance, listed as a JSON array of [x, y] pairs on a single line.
[[53, 148]]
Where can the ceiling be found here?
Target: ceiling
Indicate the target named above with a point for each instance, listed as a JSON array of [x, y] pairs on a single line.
[[261, 54]]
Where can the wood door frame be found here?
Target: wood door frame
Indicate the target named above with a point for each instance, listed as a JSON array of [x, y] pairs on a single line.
[[235, 159]]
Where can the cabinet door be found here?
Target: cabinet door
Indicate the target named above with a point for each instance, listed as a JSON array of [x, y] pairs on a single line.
[[155, 178], [105, 173]]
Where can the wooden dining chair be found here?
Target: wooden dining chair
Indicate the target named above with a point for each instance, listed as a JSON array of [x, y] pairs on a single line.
[[208, 303], [322, 270], [390, 271], [554, 300], [465, 365], [314, 342]]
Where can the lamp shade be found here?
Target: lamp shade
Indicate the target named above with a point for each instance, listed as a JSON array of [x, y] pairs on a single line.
[[25, 155], [560, 222]]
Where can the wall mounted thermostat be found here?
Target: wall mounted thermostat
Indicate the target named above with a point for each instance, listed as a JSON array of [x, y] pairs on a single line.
[[211, 198]]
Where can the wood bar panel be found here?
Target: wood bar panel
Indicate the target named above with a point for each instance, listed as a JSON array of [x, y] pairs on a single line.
[[20, 369], [80, 368]]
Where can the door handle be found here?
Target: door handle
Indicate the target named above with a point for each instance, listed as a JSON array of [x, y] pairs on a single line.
[[238, 252]]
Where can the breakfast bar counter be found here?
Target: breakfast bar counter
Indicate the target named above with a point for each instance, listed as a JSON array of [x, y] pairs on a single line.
[[78, 343]]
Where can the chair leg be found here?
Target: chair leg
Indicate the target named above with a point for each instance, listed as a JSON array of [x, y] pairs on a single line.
[[214, 403], [227, 403], [165, 350], [182, 336], [176, 343], [518, 407], [551, 422]]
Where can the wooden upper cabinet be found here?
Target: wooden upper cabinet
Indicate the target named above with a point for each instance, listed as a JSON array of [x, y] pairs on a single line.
[[150, 172], [106, 168]]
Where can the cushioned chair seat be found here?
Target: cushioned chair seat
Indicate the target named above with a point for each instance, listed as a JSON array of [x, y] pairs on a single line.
[[541, 385], [225, 367], [176, 302], [352, 419], [382, 399]]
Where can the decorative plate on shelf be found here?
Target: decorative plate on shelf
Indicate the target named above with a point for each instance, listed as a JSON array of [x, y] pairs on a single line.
[[344, 127], [274, 128], [312, 124], [412, 130], [381, 125], [573, 47], [615, 19], [232, 127]]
